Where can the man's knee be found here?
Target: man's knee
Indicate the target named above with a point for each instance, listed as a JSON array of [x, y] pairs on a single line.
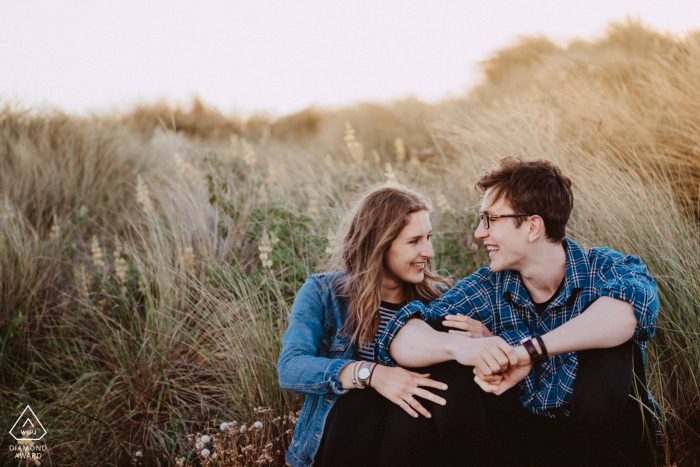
[[603, 382]]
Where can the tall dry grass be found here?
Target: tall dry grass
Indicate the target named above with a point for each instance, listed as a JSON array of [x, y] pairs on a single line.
[[137, 310]]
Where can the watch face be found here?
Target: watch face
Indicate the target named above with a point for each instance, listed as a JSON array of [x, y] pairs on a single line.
[[364, 373]]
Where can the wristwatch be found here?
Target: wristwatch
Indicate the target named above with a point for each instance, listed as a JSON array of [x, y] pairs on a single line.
[[364, 374]]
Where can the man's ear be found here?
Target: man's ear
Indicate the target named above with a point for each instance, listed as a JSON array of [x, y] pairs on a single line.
[[536, 228]]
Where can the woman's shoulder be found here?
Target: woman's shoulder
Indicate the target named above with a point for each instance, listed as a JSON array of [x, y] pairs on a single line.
[[326, 282]]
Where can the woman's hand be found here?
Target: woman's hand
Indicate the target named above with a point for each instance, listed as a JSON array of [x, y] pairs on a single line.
[[470, 327], [400, 386]]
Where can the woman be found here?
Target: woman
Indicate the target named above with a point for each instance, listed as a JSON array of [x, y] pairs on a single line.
[[386, 255]]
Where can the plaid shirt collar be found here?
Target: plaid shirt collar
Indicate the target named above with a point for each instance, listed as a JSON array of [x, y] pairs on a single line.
[[577, 270]]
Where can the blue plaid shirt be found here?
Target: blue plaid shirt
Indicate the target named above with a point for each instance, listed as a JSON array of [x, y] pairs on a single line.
[[501, 302]]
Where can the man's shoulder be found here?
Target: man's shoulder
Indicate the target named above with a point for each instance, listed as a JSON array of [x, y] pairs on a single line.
[[483, 277], [603, 257]]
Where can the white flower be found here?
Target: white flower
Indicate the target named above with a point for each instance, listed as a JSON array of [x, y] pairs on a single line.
[[257, 425], [205, 439], [224, 426], [205, 452], [214, 456], [199, 446], [243, 429], [138, 454]]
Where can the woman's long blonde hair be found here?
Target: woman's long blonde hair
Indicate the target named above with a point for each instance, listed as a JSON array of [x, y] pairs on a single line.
[[368, 230]]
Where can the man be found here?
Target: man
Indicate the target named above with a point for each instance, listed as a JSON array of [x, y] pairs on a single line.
[[570, 329]]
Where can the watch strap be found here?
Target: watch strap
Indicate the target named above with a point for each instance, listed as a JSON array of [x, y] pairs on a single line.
[[531, 350], [545, 354]]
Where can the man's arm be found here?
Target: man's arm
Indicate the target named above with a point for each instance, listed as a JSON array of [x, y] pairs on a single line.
[[608, 322], [418, 345], [627, 309], [466, 297]]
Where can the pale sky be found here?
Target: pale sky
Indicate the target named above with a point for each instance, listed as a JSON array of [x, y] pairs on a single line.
[[280, 56]]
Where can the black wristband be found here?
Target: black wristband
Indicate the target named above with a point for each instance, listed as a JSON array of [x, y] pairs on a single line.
[[531, 350], [371, 373], [544, 355]]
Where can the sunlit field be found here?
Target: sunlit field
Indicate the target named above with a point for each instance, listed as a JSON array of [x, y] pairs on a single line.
[[149, 259]]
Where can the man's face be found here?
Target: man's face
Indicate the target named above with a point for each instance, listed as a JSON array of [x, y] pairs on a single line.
[[508, 245]]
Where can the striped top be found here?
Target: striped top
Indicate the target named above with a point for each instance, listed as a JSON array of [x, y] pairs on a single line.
[[386, 312]]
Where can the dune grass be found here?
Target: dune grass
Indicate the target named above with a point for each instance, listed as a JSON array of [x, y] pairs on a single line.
[[136, 310]]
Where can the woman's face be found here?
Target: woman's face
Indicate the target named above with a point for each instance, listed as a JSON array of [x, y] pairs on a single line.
[[405, 260]]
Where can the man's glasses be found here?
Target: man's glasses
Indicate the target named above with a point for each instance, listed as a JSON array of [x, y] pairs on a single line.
[[487, 218]]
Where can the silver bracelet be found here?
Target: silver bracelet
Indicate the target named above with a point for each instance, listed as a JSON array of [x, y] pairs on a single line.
[[354, 376]]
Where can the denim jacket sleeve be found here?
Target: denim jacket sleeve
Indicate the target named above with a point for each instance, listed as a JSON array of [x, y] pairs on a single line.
[[300, 367]]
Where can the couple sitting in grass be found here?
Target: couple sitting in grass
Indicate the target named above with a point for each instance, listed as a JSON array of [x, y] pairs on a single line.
[[535, 360]]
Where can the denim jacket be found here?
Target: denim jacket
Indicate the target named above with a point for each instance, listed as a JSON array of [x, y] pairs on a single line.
[[314, 352]]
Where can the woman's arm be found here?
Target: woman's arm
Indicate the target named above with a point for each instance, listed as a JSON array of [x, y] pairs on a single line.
[[300, 367], [301, 370]]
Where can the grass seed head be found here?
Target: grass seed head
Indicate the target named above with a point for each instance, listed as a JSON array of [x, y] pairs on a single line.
[[399, 149]]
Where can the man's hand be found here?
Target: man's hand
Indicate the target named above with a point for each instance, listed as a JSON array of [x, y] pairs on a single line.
[[491, 355], [469, 327], [510, 377]]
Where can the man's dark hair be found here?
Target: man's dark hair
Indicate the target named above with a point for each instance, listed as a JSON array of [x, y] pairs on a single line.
[[531, 186]]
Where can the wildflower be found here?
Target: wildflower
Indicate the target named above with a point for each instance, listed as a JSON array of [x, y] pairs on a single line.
[[205, 452], [97, 256], [444, 205], [120, 266], [262, 193], [313, 207], [199, 446], [400, 150], [249, 154], [180, 462], [390, 176], [55, 231], [271, 175], [354, 146], [331, 241], [143, 285], [214, 456], [142, 195], [224, 426], [187, 169], [138, 454], [265, 249], [188, 258], [243, 429], [205, 439], [257, 425], [83, 284]]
